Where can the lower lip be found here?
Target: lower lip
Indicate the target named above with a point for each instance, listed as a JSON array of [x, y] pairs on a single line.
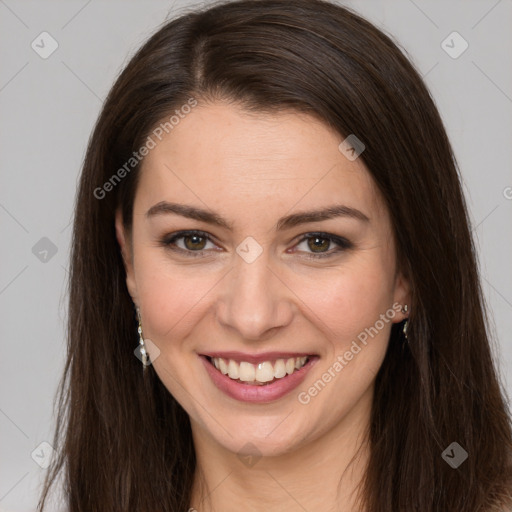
[[255, 393]]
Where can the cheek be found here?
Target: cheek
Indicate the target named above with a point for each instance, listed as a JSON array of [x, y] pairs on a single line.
[[356, 316], [171, 299], [349, 299]]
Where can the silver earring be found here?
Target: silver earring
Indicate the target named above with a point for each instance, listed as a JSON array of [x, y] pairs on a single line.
[[143, 351], [406, 323]]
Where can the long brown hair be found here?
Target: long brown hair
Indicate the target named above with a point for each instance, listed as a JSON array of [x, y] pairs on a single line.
[[123, 442]]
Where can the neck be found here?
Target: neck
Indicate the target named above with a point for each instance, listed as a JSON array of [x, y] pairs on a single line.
[[324, 473]]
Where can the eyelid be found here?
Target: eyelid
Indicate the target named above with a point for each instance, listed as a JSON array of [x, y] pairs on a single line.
[[169, 239], [342, 243]]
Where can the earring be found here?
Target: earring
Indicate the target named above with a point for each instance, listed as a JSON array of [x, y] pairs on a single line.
[[406, 323], [142, 345]]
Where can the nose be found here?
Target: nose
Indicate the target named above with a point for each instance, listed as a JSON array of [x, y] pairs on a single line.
[[254, 300]]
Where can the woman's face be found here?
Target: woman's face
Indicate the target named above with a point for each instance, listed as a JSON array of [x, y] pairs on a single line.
[[293, 306]]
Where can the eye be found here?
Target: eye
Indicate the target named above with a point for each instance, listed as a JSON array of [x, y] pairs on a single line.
[[318, 244], [193, 243]]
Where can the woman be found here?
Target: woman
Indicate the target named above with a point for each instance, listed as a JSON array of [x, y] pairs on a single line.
[[271, 219]]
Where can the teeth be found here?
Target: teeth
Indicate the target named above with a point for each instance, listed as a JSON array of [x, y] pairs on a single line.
[[223, 367], [262, 372], [247, 372], [279, 369], [232, 369]]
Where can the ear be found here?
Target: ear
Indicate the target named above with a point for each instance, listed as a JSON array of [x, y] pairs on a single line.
[[402, 295], [126, 251]]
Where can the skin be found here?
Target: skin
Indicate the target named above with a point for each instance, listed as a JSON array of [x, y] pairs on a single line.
[[253, 170]]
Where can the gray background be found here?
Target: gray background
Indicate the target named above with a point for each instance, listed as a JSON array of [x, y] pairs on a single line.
[[48, 109]]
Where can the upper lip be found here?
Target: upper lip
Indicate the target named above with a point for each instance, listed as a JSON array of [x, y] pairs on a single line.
[[256, 358]]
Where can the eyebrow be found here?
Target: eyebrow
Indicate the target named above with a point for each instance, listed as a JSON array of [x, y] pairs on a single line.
[[287, 222]]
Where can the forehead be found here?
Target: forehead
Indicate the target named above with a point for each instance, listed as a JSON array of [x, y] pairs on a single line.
[[222, 155]]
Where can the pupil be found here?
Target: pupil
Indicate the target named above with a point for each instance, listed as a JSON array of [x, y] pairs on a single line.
[[319, 246], [195, 242]]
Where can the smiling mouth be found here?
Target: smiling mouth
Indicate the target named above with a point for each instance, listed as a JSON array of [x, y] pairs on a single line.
[[260, 374]]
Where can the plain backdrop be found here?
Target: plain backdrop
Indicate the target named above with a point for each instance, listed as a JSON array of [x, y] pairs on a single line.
[[49, 105]]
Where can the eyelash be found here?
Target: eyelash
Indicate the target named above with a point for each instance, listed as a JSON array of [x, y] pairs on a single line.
[[342, 243]]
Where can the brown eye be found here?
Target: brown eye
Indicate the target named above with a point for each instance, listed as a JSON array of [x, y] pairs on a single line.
[[189, 243], [318, 244], [194, 242]]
